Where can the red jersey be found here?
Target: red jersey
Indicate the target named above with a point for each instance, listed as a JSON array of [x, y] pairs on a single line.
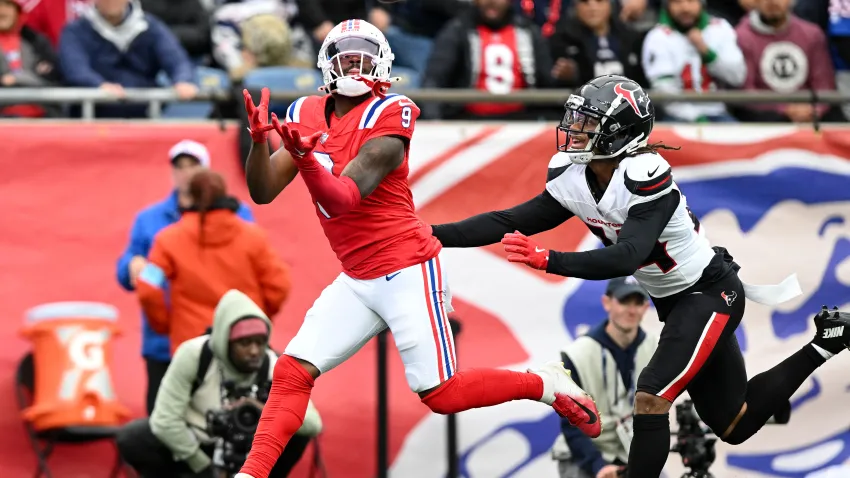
[[499, 69], [382, 234]]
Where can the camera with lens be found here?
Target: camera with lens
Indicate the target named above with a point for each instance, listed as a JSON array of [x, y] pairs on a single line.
[[693, 442], [237, 422]]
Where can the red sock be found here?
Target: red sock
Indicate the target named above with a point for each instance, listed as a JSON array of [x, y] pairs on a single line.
[[282, 416], [477, 388]]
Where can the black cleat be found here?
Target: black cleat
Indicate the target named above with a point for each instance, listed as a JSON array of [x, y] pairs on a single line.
[[833, 330]]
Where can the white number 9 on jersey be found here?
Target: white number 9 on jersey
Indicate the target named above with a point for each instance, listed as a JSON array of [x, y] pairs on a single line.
[[406, 116]]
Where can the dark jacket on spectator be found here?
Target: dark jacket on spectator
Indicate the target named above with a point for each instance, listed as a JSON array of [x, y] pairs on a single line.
[[425, 17], [92, 52], [574, 41], [37, 67], [187, 19], [455, 56], [313, 12]]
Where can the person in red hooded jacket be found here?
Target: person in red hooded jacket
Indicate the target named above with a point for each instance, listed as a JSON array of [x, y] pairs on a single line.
[[26, 58], [209, 251]]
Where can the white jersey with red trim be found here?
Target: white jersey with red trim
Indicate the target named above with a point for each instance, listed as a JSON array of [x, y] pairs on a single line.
[[681, 252]]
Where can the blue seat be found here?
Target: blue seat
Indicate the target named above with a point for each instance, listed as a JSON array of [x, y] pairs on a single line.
[[208, 79], [283, 78], [410, 78]]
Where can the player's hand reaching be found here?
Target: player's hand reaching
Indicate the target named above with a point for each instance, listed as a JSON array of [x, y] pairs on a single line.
[[258, 116], [299, 147], [522, 249]]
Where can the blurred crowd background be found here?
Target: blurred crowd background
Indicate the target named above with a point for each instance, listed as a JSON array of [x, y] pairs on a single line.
[[493, 45]]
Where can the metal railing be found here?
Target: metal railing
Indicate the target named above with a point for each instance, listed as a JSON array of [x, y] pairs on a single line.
[[156, 97]]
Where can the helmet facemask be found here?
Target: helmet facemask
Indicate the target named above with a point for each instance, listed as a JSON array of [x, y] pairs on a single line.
[[346, 62], [592, 134]]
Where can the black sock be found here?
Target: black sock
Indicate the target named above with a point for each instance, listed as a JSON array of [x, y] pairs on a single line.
[[769, 391], [650, 445]]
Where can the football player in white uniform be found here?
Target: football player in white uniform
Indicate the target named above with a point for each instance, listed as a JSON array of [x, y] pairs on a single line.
[[606, 174]]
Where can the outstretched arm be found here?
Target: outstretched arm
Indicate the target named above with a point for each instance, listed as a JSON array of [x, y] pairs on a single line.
[[541, 213], [637, 238], [268, 175], [376, 158], [336, 196]]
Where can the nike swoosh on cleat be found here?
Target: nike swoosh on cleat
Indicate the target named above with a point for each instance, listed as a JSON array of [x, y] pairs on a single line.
[[589, 413], [653, 171], [390, 276]]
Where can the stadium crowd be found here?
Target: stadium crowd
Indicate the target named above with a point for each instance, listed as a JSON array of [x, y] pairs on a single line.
[[493, 45]]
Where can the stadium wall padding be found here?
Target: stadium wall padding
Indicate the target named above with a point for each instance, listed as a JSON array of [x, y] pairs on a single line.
[[776, 197]]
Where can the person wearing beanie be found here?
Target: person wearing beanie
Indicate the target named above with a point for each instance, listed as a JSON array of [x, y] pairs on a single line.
[[691, 51], [175, 440], [185, 158]]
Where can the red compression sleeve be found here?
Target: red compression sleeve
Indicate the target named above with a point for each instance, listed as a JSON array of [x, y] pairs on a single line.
[[282, 416], [336, 195]]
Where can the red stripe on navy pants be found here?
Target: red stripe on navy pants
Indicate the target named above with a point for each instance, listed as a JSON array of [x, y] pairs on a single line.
[[710, 335]]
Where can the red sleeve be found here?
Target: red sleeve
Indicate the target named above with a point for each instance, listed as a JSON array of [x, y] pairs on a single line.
[[395, 116]]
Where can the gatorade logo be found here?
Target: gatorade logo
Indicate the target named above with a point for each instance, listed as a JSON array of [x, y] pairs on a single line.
[[87, 371]]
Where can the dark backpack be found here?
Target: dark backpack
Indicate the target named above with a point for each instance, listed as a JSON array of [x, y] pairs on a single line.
[[206, 359]]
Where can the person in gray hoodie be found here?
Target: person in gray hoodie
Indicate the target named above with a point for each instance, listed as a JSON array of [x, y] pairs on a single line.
[[174, 441]]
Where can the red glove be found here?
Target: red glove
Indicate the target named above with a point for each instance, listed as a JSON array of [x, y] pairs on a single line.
[[258, 116], [299, 148], [522, 249]]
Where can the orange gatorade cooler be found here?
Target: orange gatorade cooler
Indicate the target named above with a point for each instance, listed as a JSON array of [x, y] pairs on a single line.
[[72, 362]]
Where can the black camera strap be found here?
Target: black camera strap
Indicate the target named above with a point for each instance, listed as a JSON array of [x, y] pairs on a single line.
[[206, 359]]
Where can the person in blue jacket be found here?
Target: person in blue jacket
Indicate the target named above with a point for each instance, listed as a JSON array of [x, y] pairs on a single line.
[[187, 157]]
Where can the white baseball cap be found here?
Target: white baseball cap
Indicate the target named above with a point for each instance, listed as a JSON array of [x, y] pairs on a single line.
[[187, 147]]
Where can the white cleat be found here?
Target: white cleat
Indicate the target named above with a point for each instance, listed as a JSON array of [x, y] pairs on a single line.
[[568, 399]]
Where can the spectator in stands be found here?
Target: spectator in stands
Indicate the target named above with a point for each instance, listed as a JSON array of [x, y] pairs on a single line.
[[606, 362], [175, 441], [784, 53], [691, 51], [839, 35], [115, 46], [593, 43], [731, 10], [256, 34], [49, 17], [412, 25], [546, 14], [488, 48], [320, 16], [26, 59], [186, 158], [209, 251], [188, 20]]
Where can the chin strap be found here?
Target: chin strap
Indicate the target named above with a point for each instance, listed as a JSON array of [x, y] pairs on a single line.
[[379, 87]]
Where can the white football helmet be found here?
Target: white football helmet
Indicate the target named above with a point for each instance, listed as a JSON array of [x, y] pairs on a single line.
[[347, 47]]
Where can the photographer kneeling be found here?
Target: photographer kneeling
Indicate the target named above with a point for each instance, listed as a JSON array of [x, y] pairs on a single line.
[[210, 401]]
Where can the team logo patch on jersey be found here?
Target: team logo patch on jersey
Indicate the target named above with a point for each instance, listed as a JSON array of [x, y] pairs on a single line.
[[729, 298], [637, 99], [323, 138]]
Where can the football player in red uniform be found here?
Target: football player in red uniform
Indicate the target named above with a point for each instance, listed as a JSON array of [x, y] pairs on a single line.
[[350, 147]]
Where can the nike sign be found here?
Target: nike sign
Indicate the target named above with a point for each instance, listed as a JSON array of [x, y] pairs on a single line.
[[592, 419], [653, 171], [537, 249], [390, 276]]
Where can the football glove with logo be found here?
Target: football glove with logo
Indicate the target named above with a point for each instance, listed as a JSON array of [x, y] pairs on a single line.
[[522, 249], [299, 148], [258, 116]]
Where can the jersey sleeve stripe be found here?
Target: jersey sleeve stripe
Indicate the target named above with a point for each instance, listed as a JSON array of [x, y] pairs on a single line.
[[373, 112], [651, 186], [293, 113]]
